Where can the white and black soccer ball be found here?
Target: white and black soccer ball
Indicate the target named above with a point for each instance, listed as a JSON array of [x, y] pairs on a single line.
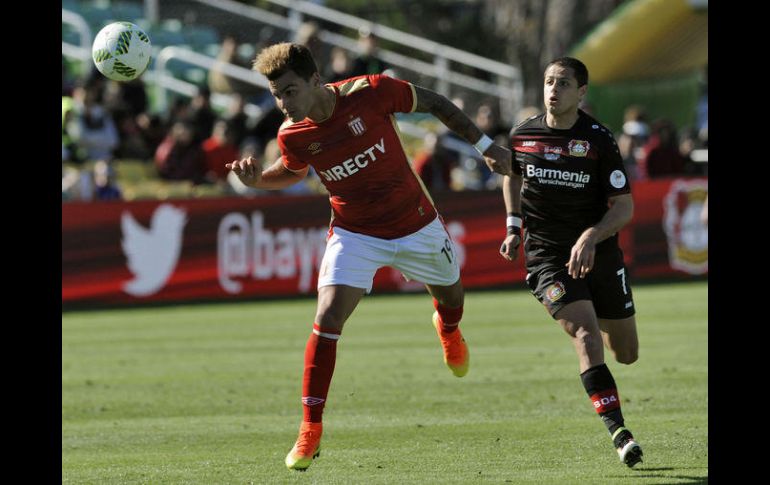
[[121, 51]]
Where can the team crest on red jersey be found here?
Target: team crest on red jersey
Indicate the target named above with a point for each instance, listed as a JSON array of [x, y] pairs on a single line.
[[357, 126], [578, 148]]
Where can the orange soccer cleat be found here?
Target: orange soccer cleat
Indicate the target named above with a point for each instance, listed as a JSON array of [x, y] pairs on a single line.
[[456, 355], [307, 447]]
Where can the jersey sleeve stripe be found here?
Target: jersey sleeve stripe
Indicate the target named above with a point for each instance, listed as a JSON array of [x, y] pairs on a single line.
[[285, 164], [414, 99], [351, 87]]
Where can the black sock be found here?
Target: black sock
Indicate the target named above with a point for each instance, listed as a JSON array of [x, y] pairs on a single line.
[[600, 386]]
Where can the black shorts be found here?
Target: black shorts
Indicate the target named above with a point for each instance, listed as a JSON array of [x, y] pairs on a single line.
[[606, 285]]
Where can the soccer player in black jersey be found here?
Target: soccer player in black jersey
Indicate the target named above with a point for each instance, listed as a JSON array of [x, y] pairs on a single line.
[[571, 192]]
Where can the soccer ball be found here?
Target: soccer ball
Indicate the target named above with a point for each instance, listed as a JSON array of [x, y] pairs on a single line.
[[121, 51]]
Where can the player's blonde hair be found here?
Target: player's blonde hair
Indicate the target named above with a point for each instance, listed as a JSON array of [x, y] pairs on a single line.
[[276, 60]]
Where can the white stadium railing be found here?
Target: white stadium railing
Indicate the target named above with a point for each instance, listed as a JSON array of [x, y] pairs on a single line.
[[508, 88], [164, 80]]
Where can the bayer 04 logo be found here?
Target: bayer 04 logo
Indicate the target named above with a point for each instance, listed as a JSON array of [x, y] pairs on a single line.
[[121, 51]]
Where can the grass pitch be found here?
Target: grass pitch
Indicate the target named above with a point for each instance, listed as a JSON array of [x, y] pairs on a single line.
[[210, 394]]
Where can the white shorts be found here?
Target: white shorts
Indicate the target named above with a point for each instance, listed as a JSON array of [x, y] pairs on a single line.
[[427, 255]]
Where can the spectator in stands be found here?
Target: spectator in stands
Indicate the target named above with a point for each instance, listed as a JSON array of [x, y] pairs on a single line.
[[129, 97], [125, 101], [220, 149], [132, 143], [455, 148], [153, 132], [202, 115], [661, 155], [221, 83], [91, 127], [266, 127], [634, 135], [433, 165], [69, 180], [308, 35], [487, 121], [237, 118], [77, 184], [179, 111], [526, 113], [692, 149], [69, 149], [105, 187], [179, 157], [702, 110], [67, 83], [338, 67], [367, 61]]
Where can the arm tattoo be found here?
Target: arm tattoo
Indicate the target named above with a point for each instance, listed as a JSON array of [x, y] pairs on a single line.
[[449, 114]]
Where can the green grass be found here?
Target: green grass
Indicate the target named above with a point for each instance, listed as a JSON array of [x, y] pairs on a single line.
[[209, 394]]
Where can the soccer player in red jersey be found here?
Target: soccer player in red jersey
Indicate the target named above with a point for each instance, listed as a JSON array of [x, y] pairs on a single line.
[[381, 213]]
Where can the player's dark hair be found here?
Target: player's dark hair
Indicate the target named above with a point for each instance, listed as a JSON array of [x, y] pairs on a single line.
[[276, 60], [578, 68]]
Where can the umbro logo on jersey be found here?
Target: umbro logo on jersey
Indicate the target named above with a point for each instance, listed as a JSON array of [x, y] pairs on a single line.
[[314, 148], [357, 126], [578, 148]]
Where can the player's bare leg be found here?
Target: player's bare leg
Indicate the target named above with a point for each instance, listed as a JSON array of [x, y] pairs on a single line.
[[620, 338], [452, 296], [448, 302], [579, 320], [335, 304]]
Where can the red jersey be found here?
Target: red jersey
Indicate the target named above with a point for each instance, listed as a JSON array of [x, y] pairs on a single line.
[[358, 155]]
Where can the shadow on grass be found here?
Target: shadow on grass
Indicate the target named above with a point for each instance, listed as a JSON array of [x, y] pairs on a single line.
[[645, 473], [690, 480]]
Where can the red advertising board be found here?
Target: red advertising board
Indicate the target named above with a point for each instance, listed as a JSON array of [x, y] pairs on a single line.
[[117, 253]]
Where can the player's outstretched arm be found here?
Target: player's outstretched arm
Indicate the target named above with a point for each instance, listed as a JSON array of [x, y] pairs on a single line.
[[496, 157], [275, 177]]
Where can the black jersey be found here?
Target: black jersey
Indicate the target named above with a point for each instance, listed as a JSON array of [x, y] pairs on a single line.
[[568, 177]]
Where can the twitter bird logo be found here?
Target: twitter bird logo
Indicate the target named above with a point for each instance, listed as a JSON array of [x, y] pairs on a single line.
[[152, 253]]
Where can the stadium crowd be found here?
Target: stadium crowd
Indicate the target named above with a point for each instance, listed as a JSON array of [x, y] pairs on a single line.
[[105, 121]]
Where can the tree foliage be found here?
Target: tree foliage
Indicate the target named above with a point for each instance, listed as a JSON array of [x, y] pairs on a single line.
[[524, 33]]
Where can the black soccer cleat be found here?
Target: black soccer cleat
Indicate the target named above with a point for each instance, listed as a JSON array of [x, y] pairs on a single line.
[[630, 453], [628, 449]]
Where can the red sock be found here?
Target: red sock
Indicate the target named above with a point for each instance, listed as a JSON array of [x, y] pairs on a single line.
[[449, 318], [320, 356]]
